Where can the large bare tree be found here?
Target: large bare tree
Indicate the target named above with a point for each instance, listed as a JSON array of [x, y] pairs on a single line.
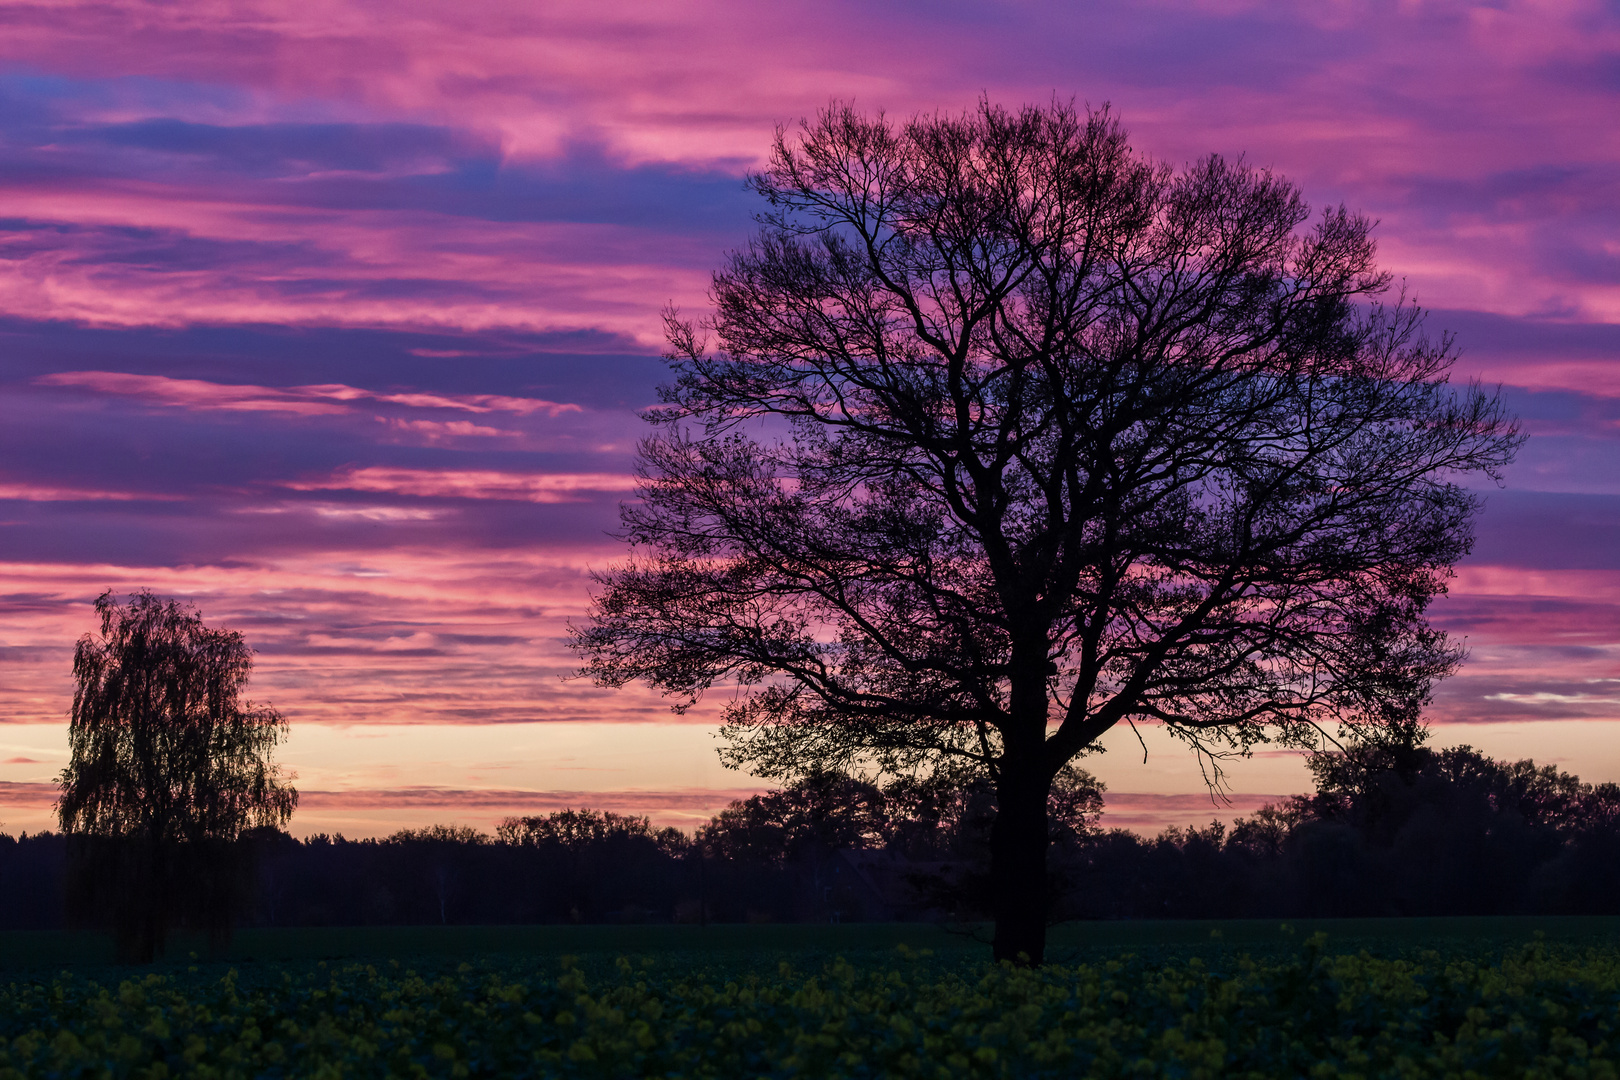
[[1011, 434]]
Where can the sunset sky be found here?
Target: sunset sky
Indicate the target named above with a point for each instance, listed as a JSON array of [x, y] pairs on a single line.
[[336, 318]]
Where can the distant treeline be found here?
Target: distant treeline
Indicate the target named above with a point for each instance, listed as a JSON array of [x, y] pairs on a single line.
[[1402, 831]]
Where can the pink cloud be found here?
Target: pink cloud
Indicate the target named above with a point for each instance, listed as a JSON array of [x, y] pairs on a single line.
[[525, 802], [346, 511], [1358, 106], [1542, 643], [470, 483], [434, 432], [337, 634], [351, 268], [299, 400], [30, 492], [1150, 814], [1598, 377], [1515, 581], [701, 79], [192, 393], [34, 796], [380, 811]]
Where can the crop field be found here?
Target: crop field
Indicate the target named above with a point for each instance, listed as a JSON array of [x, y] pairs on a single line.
[[1410, 998]]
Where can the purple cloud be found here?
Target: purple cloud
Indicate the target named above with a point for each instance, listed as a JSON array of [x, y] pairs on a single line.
[[340, 325]]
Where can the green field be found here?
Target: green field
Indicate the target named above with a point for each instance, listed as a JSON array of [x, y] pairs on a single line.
[[1421, 997], [1070, 942]]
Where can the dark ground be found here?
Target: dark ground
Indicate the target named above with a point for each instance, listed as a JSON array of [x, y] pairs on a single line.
[[30, 953]]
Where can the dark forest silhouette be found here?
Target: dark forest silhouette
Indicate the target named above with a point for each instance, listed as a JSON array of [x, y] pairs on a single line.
[[1389, 831]]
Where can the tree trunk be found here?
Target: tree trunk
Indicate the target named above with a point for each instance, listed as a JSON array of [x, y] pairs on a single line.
[[1019, 891], [139, 894]]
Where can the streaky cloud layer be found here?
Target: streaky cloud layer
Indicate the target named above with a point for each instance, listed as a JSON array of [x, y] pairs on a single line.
[[338, 318]]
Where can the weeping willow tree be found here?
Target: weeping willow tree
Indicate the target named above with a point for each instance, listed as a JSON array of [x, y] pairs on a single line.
[[170, 769]]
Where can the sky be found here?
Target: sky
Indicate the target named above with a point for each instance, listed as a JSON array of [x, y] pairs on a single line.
[[336, 318]]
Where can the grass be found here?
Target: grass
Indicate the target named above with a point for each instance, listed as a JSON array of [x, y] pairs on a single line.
[[1067, 943]]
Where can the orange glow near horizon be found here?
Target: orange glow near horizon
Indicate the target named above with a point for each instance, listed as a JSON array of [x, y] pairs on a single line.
[[374, 779]]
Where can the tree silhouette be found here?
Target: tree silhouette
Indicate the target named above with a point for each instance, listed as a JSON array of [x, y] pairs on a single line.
[[168, 769], [1011, 435], [810, 820]]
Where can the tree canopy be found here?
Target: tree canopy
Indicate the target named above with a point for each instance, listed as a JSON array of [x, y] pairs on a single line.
[[1010, 434], [168, 764]]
